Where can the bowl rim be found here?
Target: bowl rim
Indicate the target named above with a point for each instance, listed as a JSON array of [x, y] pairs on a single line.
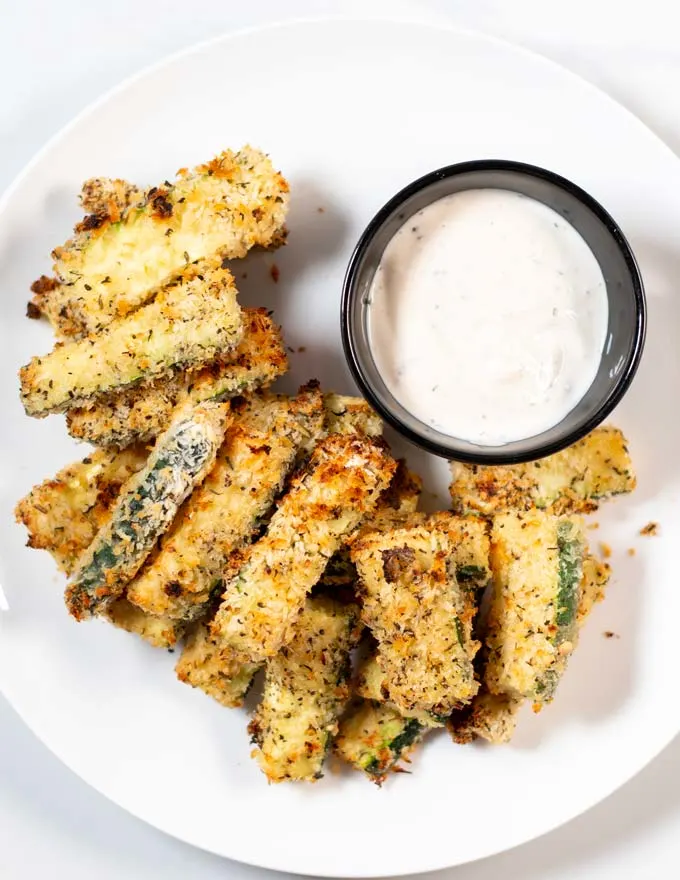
[[495, 455]]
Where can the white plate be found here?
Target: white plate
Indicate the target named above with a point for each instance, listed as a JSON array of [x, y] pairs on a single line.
[[351, 111]]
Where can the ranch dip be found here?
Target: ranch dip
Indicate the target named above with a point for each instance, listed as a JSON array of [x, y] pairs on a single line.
[[487, 316]]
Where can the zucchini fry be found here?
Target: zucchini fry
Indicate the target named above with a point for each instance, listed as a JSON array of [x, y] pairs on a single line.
[[111, 267], [493, 717], [214, 669], [341, 485], [194, 320], [146, 506], [537, 562], [572, 481], [373, 737], [141, 413], [64, 514], [224, 513], [420, 616], [305, 691]]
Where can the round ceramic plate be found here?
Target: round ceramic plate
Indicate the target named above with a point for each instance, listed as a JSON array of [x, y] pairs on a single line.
[[350, 111]]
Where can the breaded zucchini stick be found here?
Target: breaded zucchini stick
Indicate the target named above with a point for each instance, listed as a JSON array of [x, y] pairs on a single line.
[[420, 616], [305, 691], [216, 670], [341, 485], [373, 737], [537, 562], [142, 412], [146, 506], [493, 717], [194, 320], [224, 513], [572, 481], [110, 268], [64, 514]]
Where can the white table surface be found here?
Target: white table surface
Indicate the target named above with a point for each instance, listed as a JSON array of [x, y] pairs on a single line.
[[58, 55]]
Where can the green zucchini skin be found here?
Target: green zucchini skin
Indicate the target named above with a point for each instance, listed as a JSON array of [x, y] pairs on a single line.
[[146, 507], [570, 572], [532, 623]]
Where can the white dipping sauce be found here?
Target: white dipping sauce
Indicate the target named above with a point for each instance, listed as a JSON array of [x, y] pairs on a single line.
[[488, 316]]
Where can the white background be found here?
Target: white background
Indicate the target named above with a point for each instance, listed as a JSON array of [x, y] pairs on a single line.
[[58, 55]]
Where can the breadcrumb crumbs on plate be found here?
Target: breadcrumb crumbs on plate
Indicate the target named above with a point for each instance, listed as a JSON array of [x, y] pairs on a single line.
[[321, 210], [275, 272], [631, 551], [608, 634], [650, 530], [244, 275], [302, 349], [593, 526], [605, 550]]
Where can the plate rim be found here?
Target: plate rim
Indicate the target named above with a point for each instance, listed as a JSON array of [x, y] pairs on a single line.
[[197, 48]]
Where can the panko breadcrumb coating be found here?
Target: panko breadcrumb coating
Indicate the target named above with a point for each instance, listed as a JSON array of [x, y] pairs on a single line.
[[146, 506], [215, 669], [224, 514], [419, 615], [575, 480], [305, 691], [111, 267], [341, 485], [537, 562], [143, 411], [64, 514], [191, 322]]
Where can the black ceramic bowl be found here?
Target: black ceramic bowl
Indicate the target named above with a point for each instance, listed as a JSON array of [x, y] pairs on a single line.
[[627, 310]]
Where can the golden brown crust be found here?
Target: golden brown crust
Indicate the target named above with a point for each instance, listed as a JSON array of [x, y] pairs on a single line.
[[421, 619], [305, 691], [341, 485], [195, 319], [575, 480], [225, 513], [214, 669], [64, 514], [142, 412], [222, 210]]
